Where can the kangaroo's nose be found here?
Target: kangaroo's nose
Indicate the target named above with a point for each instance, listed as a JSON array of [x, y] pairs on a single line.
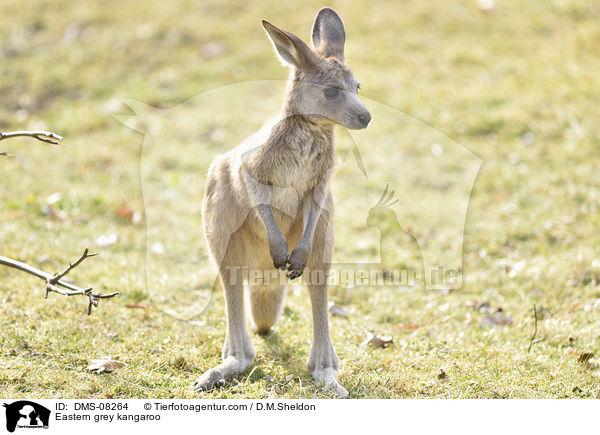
[[364, 118]]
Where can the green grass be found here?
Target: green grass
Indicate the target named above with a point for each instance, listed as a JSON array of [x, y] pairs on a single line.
[[518, 87]]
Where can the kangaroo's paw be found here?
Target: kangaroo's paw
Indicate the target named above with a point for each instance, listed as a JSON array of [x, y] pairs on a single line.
[[279, 253], [297, 262]]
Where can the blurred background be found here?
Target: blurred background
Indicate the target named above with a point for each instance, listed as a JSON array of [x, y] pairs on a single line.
[[515, 83]]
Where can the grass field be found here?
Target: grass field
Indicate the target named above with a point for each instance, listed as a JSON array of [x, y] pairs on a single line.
[[517, 86]]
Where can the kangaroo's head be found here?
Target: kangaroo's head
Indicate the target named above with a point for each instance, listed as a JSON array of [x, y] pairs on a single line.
[[322, 86]]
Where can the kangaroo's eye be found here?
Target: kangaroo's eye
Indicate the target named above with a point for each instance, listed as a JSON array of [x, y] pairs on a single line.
[[331, 93]]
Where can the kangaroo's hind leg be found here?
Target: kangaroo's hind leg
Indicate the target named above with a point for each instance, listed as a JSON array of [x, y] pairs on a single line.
[[238, 352], [323, 363]]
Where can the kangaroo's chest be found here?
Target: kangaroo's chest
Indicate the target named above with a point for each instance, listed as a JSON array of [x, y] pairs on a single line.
[[298, 173], [301, 167]]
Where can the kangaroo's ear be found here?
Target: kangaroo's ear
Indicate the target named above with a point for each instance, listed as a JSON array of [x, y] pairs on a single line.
[[328, 34], [290, 49]]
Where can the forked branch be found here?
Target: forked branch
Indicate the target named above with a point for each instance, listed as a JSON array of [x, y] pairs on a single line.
[[54, 282], [57, 277]]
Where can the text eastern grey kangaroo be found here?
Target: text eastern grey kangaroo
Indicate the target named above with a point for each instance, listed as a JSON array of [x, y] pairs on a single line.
[[272, 193]]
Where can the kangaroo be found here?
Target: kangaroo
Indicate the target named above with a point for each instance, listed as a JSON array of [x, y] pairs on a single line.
[[272, 192]]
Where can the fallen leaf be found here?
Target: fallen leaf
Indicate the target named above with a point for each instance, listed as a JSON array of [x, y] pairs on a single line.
[[106, 365], [484, 307], [493, 320], [50, 208], [57, 215], [377, 341], [180, 363], [408, 326], [585, 359], [135, 307], [588, 277], [442, 375], [338, 311], [133, 216]]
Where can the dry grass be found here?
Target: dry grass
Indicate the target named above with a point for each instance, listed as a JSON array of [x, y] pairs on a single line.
[[518, 87]]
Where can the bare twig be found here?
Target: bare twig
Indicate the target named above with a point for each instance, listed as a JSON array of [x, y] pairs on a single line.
[[54, 281], [70, 267], [44, 136], [533, 339]]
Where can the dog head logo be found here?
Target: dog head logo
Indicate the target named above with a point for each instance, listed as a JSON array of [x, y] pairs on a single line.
[[26, 414], [414, 186]]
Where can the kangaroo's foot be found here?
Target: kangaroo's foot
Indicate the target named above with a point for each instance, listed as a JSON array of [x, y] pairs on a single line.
[[323, 365], [216, 376]]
